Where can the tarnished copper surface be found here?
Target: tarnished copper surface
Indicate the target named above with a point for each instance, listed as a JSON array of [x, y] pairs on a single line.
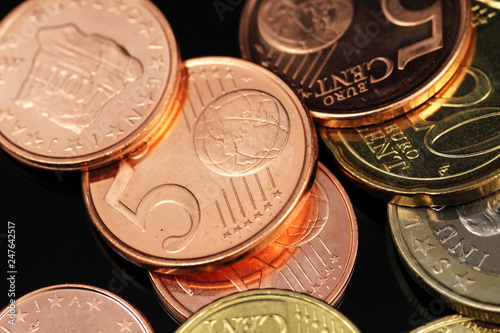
[[315, 255], [221, 185], [358, 62], [84, 83], [72, 308]]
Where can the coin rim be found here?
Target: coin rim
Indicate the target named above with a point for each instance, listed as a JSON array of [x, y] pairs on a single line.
[[160, 115]]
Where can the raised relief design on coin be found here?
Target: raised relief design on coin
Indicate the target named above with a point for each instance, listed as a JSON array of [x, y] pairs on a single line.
[[78, 73], [304, 26], [270, 310], [85, 83], [185, 208], [73, 308], [470, 232], [241, 132]]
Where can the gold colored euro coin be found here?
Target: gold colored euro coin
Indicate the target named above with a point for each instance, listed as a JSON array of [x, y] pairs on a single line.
[[268, 310]]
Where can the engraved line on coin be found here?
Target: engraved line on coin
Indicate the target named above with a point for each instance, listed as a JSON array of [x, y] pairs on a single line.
[[308, 260], [280, 59], [289, 64], [271, 177], [229, 206], [71, 67], [220, 214], [249, 193], [237, 198], [299, 266], [186, 119], [295, 277], [323, 64], [216, 75], [160, 195], [233, 276], [257, 180], [299, 68], [311, 66]]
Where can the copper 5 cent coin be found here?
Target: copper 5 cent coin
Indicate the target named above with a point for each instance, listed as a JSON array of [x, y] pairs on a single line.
[[358, 62], [221, 185], [268, 311], [315, 255], [84, 82], [72, 308], [445, 152], [454, 252]]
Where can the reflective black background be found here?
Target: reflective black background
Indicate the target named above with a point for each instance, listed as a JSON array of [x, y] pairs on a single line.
[[56, 243]]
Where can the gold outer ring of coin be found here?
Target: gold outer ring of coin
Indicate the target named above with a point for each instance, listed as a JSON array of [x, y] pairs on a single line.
[[457, 324], [270, 310], [227, 208], [318, 250], [469, 291], [122, 98], [72, 308], [354, 118]]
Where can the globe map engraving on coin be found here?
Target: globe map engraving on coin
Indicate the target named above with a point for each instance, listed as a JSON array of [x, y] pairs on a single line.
[[241, 132], [307, 26]]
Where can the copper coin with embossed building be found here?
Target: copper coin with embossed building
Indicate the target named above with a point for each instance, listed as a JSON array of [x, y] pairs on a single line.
[[268, 311], [238, 161], [358, 62], [72, 308], [315, 256], [84, 83], [454, 252], [445, 152]]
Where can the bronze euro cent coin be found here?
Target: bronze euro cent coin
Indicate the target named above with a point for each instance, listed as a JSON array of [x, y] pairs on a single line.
[[84, 82], [445, 152], [315, 256], [454, 253], [72, 308], [268, 310], [222, 183], [358, 62]]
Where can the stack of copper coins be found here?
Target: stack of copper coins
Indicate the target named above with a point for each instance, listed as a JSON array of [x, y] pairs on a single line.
[[204, 172]]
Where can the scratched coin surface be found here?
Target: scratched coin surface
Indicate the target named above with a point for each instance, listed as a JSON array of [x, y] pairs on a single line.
[[72, 308], [315, 255], [456, 324], [221, 185], [268, 310], [455, 251], [447, 151], [84, 82], [358, 62]]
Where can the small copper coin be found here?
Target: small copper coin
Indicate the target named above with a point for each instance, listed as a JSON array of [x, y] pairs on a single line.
[[221, 185], [445, 152], [358, 62], [72, 308], [268, 311], [84, 82], [315, 255], [454, 253]]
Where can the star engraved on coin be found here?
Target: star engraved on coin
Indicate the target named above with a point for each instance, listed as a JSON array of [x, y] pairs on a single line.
[[55, 301], [423, 246]]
